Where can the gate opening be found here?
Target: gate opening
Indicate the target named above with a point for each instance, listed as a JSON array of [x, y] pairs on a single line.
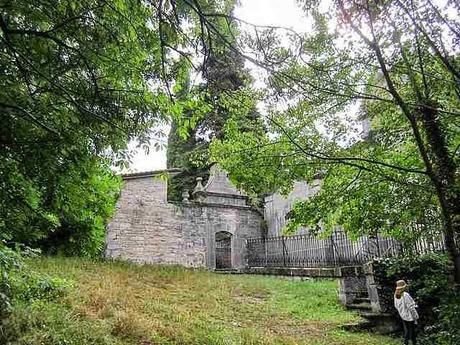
[[223, 250]]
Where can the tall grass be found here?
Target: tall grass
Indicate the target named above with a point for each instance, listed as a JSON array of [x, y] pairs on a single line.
[[122, 303]]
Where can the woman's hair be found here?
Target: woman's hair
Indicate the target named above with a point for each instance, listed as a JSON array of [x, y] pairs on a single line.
[[400, 287], [399, 292]]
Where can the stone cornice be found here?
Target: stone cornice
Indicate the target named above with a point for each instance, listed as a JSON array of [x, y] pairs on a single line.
[[172, 171], [225, 195]]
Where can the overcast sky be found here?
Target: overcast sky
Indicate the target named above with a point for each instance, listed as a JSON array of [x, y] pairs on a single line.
[[284, 13], [261, 12]]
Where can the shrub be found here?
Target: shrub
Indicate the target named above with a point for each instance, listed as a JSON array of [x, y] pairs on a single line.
[[445, 329], [30, 286], [427, 276], [431, 284], [8, 260], [11, 261], [20, 284]]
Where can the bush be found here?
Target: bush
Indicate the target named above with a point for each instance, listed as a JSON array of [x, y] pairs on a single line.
[[8, 260], [431, 284], [11, 261], [30, 287], [427, 276], [67, 214], [20, 284], [445, 330]]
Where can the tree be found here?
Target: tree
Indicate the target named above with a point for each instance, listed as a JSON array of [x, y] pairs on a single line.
[[79, 80], [225, 78], [397, 64]]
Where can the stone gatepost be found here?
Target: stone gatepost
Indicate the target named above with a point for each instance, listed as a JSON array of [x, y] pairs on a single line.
[[199, 193], [372, 288], [352, 284], [381, 296]]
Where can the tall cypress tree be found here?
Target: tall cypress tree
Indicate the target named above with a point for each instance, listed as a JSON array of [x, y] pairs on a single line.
[[223, 73]]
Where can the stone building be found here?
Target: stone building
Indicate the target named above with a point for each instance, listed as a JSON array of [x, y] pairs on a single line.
[[207, 231], [277, 206]]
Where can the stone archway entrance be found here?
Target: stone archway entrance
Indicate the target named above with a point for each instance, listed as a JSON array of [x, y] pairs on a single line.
[[223, 250]]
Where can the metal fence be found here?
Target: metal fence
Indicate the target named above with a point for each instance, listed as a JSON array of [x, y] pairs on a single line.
[[307, 250]]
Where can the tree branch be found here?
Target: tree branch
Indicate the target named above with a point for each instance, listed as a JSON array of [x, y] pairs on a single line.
[[31, 117], [344, 160]]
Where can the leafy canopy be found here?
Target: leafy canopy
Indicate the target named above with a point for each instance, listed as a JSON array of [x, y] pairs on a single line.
[[78, 81], [393, 65]]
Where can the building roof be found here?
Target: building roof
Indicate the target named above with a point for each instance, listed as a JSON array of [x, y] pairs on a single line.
[[172, 171]]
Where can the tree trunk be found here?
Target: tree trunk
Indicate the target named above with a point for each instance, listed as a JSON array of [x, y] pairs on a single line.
[[450, 234], [443, 178]]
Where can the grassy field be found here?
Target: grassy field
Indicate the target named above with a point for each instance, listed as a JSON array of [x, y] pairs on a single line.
[[120, 303]]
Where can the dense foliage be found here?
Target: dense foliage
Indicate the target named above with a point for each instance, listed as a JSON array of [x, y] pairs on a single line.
[[79, 80], [64, 212], [20, 284], [74, 90], [224, 78], [393, 65], [430, 283]]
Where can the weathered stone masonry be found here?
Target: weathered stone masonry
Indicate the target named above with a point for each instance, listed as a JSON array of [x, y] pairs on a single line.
[[148, 229], [213, 228]]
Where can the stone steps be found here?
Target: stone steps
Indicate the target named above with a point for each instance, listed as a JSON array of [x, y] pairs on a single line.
[[371, 321], [227, 271], [383, 323], [359, 326], [363, 306], [363, 300]]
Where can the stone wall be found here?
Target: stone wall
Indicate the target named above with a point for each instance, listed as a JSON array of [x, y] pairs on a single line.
[[278, 206], [352, 284], [148, 229]]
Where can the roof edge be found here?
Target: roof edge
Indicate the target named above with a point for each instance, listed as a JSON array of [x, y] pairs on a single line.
[[171, 171]]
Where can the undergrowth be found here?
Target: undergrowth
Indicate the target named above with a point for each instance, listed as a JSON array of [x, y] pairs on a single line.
[[431, 284], [121, 303]]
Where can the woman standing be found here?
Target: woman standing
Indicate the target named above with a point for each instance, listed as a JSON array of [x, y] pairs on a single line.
[[407, 310]]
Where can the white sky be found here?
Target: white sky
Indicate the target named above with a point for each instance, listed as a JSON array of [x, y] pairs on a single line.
[[284, 13], [155, 160]]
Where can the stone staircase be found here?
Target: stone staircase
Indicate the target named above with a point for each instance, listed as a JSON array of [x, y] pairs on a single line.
[[361, 304], [383, 323]]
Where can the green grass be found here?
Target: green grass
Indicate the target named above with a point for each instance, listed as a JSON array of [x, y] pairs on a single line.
[[121, 303]]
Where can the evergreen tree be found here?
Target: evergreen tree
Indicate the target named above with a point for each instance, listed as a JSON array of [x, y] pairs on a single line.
[[225, 77]]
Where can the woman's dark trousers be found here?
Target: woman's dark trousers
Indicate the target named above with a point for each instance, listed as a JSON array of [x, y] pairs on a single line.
[[409, 332]]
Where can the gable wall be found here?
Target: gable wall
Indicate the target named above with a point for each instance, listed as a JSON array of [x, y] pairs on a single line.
[[278, 206], [147, 229]]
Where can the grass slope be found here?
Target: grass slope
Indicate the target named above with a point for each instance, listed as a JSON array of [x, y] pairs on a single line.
[[121, 303]]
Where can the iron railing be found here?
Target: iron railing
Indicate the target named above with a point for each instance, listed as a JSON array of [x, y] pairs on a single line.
[[308, 250]]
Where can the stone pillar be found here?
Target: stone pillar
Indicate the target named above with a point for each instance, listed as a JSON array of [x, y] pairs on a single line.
[[372, 288], [185, 196], [380, 295], [352, 284], [199, 194]]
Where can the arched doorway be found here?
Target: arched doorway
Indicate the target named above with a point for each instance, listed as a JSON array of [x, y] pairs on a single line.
[[223, 250]]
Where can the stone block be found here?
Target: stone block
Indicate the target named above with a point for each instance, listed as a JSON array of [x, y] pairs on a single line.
[[351, 287], [153, 231]]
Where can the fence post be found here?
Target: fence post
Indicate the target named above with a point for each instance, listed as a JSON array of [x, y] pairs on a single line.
[[265, 251], [377, 239], [284, 251], [333, 246]]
